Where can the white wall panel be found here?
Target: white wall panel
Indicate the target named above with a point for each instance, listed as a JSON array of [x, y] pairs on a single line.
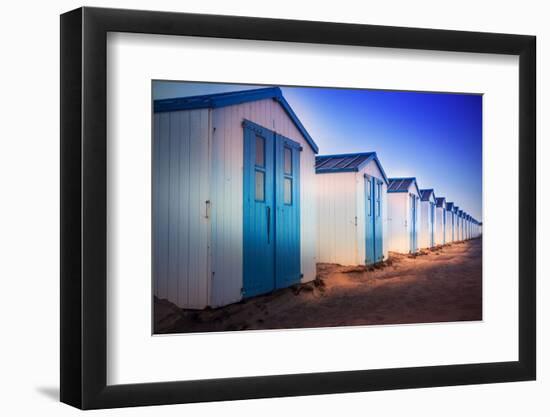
[[398, 220], [338, 208], [180, 190]]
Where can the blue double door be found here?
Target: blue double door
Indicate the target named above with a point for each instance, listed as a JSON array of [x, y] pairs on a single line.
[[271, 211], [373, 220]]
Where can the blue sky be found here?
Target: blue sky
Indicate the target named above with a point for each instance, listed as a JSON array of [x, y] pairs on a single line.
[[435, 137]]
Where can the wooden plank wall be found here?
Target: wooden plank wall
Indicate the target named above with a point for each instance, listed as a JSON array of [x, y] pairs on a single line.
[[180, 192], [398, 222], [338, 209]]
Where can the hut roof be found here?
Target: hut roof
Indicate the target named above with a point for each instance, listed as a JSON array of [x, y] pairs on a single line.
[[426, 194], [401, 185], [231, 98], [349, 162]]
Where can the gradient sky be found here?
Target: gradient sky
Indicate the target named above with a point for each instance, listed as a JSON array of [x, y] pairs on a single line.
[[435, 137]]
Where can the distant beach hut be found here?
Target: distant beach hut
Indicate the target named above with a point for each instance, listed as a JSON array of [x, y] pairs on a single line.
[[427, 219], [440, 220], [479, 228], [450, 229], [403, 215], [234, 198], [456, 224], [352, 209], [460, 225]]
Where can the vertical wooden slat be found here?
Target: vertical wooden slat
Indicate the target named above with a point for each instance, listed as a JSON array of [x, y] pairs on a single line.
[[174, 190], [184, 218], [164, 178], [156, 194]]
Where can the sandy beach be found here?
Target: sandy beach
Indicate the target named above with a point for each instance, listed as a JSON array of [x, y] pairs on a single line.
[[441, 284]]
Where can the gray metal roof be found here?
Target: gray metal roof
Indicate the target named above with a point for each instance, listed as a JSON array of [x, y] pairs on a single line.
[[350, 162], [401, 185], [425, 194]]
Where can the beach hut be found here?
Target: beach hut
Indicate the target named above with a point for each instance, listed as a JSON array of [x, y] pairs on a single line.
[[427, 219], [352, 209], [456, 223], [440, 220], [403, 215], [460, 225], [450, 229], [234, 198]]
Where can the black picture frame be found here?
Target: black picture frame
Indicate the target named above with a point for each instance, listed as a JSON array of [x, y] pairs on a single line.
[[84, 207]]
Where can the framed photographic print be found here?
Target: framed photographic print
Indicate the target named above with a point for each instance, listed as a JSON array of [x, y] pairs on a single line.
[[257, 208]]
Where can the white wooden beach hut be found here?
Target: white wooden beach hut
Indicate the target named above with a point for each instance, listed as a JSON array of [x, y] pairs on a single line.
[[479, 228], [465, 224], [440, 220], [403, 215], [450, 229], [352, 209], [234, 198], [427, 219], [460, 224], [456, 224]]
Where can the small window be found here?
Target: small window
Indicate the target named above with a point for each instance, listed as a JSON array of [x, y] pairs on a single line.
[[288, 191], [260, 186], [260, 151], [288, 161]]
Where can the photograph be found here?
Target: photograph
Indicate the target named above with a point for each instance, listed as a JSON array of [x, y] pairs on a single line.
[[295, 207]]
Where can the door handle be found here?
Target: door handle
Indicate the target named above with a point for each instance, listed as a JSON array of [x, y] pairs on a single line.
[[268, 223]]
